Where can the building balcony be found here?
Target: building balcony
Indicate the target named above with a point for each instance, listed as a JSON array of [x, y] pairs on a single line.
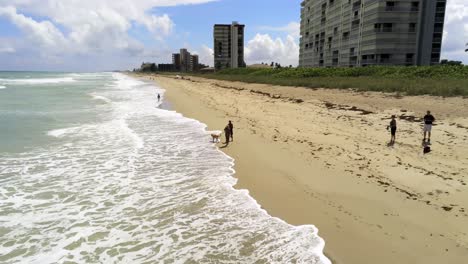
[[439, 19], [388, 30], [398, 9]]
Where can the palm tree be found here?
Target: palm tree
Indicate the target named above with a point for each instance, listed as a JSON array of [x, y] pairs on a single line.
[[466, 45]]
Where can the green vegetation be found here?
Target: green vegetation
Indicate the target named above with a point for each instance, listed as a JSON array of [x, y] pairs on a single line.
[[432, 80]]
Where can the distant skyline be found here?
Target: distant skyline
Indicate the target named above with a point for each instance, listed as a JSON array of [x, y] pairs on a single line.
[[101, 35]]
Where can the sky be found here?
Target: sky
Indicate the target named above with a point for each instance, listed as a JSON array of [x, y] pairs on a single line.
[[103, 35]]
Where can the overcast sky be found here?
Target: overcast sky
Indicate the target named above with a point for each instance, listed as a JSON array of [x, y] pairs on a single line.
[[95, 35]]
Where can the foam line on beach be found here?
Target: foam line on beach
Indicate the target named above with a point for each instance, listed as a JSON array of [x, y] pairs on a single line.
[[34, 81]]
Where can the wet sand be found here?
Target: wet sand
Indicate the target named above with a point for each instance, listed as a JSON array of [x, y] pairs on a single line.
[[320, 156]]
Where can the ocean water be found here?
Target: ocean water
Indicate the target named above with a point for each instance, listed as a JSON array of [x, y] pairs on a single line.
[[94, 170]]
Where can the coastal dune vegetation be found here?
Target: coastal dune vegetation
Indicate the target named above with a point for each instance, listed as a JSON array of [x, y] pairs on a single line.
[[412, 80]]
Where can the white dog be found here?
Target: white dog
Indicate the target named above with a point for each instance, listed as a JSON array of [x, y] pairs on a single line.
[[215, 136]]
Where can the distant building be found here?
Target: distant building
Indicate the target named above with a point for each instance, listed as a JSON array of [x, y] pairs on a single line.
[[166, 67], [185, 62], [228, 45], [352, 33], [148, 67], [194, 63], [176, 61]]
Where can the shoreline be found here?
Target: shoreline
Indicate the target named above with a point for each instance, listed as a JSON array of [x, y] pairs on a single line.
[[168, 106], [276, 170]]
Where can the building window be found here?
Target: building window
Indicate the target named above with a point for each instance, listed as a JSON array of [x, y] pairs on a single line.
[[387, 27], [335, 30], [377, 27], [390, 6], [412, 27], [409, 57], [414, 6], [385, 58]]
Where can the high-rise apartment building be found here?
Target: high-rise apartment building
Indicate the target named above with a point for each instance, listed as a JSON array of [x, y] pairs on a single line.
[[185, 62], [194, 62], [176, 61], [352, 33], [228, 45]]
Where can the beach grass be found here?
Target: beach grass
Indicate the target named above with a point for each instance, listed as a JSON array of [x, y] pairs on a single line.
[[445, 81]]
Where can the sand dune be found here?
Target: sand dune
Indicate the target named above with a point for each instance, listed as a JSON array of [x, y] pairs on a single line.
[[321, 157]]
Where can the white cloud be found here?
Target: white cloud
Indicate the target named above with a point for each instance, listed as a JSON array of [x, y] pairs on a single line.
[[292, 29], [206, 55], [162, 24], [42, 33], [263, 48], [455, 31], [7, 50], [88, 26]]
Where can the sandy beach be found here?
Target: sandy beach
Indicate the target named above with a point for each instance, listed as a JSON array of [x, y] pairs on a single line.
[[316, 156]]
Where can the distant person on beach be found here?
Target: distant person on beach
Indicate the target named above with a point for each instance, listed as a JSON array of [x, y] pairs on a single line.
[[227, 134], [428, 120], [159, 97], [393, 128], [231, 130]]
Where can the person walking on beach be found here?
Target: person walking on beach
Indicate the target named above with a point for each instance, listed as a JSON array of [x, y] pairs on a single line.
[[231, 130], [428, 120], [227, 134], [393, 128], [159, 97]]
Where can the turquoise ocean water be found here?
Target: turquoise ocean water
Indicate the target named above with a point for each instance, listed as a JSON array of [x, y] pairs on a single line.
[[94, 170]]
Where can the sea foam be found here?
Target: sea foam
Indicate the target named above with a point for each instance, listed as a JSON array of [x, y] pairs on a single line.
[[33, 81]]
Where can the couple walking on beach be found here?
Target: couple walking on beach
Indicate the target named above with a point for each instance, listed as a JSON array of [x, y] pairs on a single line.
[[428, 120], [229, 132]]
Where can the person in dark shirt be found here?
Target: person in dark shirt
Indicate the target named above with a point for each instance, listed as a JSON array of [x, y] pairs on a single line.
[[159, 97], [428, 120], [231, 130], [393, 128], [227, 134]]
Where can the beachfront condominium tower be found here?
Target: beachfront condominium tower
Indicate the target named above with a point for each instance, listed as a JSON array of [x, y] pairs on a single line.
[[228, 45], [185, 62], [350, 33]]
